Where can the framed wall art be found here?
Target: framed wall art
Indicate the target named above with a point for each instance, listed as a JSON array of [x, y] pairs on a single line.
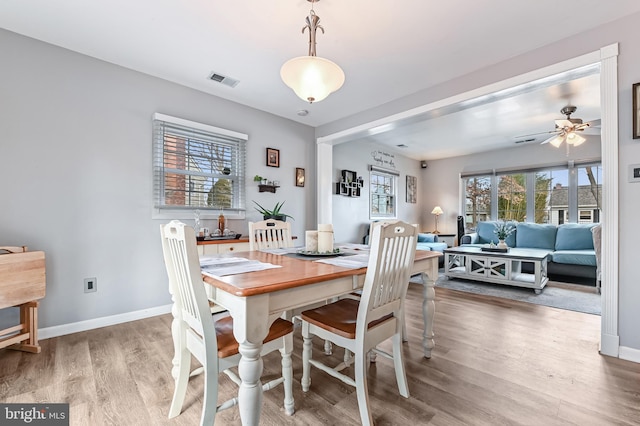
[[273, 157], [299, 176], [636, 113], [412, 189]]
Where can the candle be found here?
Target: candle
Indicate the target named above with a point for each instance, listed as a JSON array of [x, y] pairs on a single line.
[[325, 227], [325, 241], [311, 241]]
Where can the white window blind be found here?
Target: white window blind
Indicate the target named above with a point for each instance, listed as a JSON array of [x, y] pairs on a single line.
[[197, 166]]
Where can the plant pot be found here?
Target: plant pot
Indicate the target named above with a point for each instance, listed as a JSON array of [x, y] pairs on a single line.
[[281, 217], [502, 244]]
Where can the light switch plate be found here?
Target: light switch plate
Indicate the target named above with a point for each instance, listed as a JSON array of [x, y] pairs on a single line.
[[634, 173]]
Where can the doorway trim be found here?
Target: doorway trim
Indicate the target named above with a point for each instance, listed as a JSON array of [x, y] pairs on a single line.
[[608, 58]]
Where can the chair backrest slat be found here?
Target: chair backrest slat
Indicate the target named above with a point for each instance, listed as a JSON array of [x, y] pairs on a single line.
[[270, 233], [185, 281], [393, 247]]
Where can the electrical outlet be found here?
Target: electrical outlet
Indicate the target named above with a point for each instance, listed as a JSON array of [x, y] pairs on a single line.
[[90, 285]]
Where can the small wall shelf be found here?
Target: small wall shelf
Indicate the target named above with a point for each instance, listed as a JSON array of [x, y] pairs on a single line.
[[267, 188], [349, 185]]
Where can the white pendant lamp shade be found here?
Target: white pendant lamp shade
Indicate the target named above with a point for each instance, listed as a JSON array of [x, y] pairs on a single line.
[[312, 78]]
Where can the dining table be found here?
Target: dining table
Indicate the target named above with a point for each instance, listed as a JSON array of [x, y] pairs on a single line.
[[255, 299]]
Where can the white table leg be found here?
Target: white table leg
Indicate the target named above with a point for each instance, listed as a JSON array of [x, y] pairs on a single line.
[[250, 327], [250, 392], [429, 307]]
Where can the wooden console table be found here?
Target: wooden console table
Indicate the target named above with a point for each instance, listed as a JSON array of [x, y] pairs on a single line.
[[22, 284]]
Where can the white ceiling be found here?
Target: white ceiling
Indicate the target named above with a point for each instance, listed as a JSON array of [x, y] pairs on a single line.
[[388, 49]]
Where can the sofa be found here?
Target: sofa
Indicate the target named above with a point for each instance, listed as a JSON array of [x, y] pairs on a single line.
[[572, 257], [428, 242]]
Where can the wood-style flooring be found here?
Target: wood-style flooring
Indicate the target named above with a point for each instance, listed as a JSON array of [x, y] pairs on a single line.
[[496, 362]]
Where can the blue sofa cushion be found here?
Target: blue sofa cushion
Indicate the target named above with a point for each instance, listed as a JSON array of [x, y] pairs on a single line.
[[574, 236], [432, 246], [486, 234], [536, 235], [575, 257], [427, 238]]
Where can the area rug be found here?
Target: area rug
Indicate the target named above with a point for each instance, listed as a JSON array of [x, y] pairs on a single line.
[[573, 297]]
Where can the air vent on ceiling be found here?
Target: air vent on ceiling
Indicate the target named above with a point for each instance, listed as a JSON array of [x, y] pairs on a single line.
[[525, 140], [227, 81]]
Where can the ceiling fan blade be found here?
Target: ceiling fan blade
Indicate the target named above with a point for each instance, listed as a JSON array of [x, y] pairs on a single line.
[[594, 123], [536, 134], [564, 123], [549, 139], [591, 131]]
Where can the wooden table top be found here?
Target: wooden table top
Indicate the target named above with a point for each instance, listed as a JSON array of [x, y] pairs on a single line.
[[293, 273]]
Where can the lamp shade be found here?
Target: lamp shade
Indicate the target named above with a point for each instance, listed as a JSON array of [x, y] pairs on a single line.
[[437, 210], [557, 141], [575, 139], [312, 78]]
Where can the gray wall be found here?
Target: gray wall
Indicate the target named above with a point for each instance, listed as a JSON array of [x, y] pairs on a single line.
[[76, 177], [351, 214], [626, 32]]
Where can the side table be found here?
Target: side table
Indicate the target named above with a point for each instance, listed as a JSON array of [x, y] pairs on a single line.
[[22, 284], [450, 239]]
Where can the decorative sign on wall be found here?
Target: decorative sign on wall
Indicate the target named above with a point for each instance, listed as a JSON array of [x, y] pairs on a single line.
[[412, 189], [384, 159]]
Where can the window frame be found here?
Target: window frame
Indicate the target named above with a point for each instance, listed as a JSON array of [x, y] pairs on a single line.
[[393, 195], [571, 211], [235, 140]]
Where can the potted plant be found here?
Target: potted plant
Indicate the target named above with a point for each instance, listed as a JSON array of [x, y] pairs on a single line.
[[260, 179], [273, 213], [502, 231]]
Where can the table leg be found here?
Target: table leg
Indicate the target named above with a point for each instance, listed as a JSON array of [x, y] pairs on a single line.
[[429, 308], [250, 392], [250, 331]]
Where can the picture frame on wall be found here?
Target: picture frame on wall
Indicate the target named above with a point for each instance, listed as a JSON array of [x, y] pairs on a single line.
[[299, 176], [412, 189], [273, 157], [636, 113]]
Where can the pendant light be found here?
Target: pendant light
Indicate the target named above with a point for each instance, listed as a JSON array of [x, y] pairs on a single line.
[[311, 77]]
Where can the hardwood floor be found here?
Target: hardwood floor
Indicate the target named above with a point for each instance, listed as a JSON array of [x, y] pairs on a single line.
[[495, 362]]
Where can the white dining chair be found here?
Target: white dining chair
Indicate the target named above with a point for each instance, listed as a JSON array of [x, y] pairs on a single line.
[[269, 234], [359, 326], [210, 341]]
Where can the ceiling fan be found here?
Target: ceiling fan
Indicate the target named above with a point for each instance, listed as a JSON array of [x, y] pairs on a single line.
[[567, 129]]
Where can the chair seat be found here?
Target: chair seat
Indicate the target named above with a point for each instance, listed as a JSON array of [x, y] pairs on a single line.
[[339, 317], [227, 343]]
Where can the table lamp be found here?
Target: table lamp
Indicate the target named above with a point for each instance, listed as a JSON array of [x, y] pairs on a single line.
[[437, 211]]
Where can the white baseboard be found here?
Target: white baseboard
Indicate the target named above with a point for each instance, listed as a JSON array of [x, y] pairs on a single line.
[[61, 330], [629, 354]]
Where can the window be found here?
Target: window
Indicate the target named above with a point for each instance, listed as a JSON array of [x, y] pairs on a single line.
[[197, 166], [382, 193], [512, 197], [551, 196], [477, 200], [589, 194], [557, 195]]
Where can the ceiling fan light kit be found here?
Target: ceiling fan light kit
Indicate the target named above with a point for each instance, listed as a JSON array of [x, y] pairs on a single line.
[[566, 129], [312, 78]]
